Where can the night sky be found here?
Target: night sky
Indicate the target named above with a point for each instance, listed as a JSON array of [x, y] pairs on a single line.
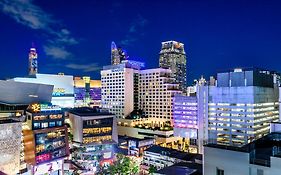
[[74, 37]]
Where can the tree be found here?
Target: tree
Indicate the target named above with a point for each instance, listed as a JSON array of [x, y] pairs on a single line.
[[123, 165], [152, 169]]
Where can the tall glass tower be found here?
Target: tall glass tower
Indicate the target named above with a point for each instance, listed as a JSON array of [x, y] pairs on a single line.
[[117, 54], [172, 56], [33, 63]]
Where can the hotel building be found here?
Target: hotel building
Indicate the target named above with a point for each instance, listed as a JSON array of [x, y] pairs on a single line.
[[241, 106], [157, 89], [119, 87]]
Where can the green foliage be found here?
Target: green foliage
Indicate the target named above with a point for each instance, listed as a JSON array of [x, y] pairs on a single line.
[[152, 169], [123, 165]]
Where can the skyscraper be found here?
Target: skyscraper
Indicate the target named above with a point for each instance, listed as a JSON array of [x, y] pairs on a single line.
[[241, 106], [172, 56], [33, 64], [117, 54]]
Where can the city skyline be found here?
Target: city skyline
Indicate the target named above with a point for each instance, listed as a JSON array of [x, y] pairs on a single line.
[[246, 32]]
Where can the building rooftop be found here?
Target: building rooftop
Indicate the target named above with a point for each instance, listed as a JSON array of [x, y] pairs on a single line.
[[5, 121], [174, 153], [182, 168], [87, 111], [259, 150], [133, 138]]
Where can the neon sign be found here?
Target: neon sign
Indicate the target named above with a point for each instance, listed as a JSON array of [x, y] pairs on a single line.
[[57, 92], [37, 107]]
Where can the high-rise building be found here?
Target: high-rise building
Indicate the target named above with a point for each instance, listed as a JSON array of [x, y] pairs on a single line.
[[241, 106], [33, 63], [172, 56], [118, 87], [117, 54], [157, 89]]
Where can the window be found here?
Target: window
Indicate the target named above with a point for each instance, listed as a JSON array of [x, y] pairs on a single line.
[[52, 124], [45, 125], [36, 125], [220, 171]]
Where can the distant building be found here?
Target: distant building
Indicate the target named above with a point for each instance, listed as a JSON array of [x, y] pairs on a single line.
[[63, 92], [33, 62], [260, 157], [241, 106], [10, 146], [172, 56], [117, 54], [94, 137], [87, 92]]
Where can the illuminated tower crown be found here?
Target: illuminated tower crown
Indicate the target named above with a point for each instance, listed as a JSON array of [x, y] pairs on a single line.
[[33, 64]]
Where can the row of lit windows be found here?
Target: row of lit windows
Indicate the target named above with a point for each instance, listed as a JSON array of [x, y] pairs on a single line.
[[97, 130], [97, 139]]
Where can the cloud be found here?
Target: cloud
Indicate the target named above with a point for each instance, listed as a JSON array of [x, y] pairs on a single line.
[[57, 52], [32, 16], [135, 30], [84, 67]]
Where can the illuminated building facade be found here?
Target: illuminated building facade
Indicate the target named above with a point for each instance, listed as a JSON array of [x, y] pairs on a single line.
[[120, 86], [241, 106], [33, 63], [87, 92], [10, 146], [94, 137], [45, 138], [63, 90], [172, 56], [157, 88], [117, 54]]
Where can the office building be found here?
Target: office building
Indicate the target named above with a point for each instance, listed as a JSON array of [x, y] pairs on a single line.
[[33, 62], [45, 139], [10, 146], [260, 157], [119, 87], [87, 92], [94, 137], [63, 92], [190, 115], [157, 88], [241, 106], [172, 56]]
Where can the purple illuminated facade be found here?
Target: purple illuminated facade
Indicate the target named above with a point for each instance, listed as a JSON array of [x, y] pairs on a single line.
[[185, 112]]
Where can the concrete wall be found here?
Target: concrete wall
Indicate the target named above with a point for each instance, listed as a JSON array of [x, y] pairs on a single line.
[[232, 162]]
